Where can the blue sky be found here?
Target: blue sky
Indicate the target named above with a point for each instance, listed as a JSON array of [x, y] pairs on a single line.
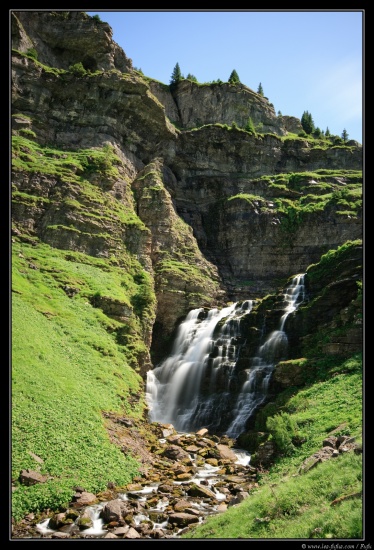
[[305, 60]]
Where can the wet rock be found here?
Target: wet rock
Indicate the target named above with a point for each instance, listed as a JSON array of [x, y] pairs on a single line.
[[112, 511], [226, 453], [132, 534], [176, 453], [201, 492], [85, 520], [182, 519], [84, 498]]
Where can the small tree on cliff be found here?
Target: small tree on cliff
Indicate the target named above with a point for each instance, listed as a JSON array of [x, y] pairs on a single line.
[[307, 122], [176, 75], [345, 135], [250, 127], [260, 89], [234, 77]]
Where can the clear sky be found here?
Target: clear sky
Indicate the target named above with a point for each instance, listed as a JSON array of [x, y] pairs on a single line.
[[305, 60]]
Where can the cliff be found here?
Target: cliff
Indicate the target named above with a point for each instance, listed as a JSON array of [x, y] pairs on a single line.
[[112, 164], [134, 202]]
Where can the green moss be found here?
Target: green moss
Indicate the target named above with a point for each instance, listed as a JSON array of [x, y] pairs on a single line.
[[317, 273]]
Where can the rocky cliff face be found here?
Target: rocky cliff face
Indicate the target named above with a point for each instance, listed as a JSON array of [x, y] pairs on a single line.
[[63, 38], [198, 105], [211, 211]]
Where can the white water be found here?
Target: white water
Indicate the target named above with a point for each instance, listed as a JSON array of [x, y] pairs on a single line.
[[97, 523], [174, 388], [94, 512], [206, 475], [254, 389], [193, 388]]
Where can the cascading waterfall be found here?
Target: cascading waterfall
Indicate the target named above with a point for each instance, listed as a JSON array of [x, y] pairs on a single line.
[[195, 386], [254, 389], [183, 389]]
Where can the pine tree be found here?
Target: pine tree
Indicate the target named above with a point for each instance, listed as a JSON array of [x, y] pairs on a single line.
[[307, 122], [176, 75], [327, 133], [191, 77], [345, 135], [250, 127], [234, 77], [317, 132], [260, 89]]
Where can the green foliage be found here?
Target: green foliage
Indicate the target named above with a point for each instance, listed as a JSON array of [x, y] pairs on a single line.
[[344, 135], [43, 68], [250, 127], [292, 219], [70, 166], [27, 132], [77, 69], [251, 199], [176, 75], [191, 77], [260, 89], [307, 122], [71, 351], [296, 507], [317, 273], [317, 133], [234, 77], [282, 428], [144, 298], [312, 194], [97, 18], [31, 52]]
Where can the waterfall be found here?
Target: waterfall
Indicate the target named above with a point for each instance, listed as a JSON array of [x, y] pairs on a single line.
[[196, 386], [254, 389], [183, 390]]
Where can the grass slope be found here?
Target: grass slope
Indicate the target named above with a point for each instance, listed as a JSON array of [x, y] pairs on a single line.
[[67, 368], [292, 504]]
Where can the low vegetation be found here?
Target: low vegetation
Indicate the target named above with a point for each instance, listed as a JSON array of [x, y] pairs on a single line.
[[295, 506], [69, 365], [67, 368], [324, 502], [311, 192]]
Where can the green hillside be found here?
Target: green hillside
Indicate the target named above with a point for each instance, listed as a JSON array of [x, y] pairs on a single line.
[[69, 367]]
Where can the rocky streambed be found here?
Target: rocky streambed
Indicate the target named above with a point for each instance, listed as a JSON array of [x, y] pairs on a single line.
[[184, 479]]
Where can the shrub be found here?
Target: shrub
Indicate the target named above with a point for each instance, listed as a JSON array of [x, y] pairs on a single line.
[[283, 429], [77, 69], [250, 126]]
